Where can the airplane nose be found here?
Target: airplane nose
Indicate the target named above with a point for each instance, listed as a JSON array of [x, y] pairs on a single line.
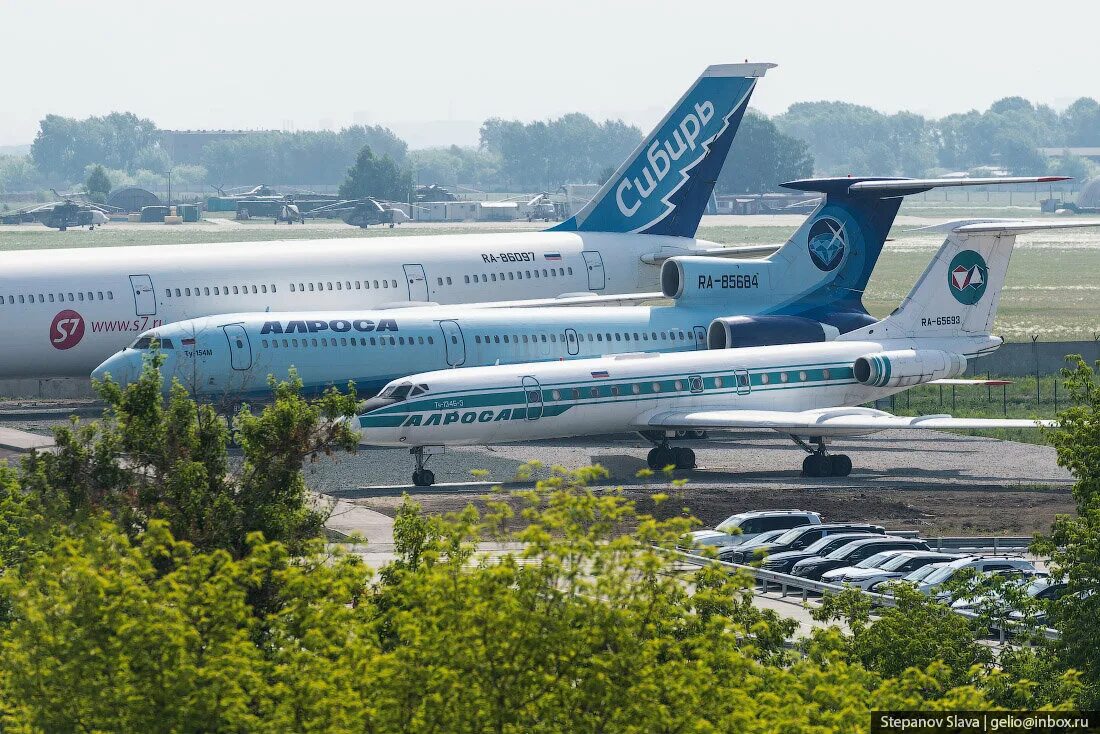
[[374, 404], [123, 367]]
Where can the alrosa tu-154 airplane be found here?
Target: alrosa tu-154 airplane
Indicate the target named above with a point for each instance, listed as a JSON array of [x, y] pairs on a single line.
[[808, 391], [809, 290], [62, 312]]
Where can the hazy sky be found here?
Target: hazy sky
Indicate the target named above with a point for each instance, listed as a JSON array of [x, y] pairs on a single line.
[[433, 69]]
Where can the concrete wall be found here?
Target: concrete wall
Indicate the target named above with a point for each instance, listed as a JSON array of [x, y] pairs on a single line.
[[1021, 358], [58, 388]]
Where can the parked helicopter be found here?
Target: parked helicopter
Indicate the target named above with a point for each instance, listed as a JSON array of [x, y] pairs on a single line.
[[362, 212], [71, 210]]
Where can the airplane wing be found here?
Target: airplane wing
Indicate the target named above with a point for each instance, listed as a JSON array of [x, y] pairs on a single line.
[[656, 258], [823, 421]]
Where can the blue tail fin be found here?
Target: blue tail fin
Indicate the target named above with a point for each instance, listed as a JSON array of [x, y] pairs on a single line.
[[664, 186], [828, 261]]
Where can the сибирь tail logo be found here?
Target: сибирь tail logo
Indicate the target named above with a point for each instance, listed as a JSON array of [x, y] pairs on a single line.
[[826, 243], [967, 276]]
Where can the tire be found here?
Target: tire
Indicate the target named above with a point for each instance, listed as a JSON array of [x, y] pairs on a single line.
[[840, 465], [423, 478], [659, 457], [816, 465], [684, 458]]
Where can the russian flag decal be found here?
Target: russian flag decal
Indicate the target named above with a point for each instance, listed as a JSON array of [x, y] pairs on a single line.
[[599, 374]]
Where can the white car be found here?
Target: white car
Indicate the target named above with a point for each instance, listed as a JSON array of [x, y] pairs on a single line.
[[981, 564], [895, 565], [746, 525]]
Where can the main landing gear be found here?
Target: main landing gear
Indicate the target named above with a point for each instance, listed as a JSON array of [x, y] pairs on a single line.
[[422, 477], [663, 455], [820, 463]]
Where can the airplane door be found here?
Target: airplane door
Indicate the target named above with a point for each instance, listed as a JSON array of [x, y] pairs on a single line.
[[572, 342], [145, 300], [700, 337], [454, 342], [594, 262], [240, 351], [533, 393], [418, 282]]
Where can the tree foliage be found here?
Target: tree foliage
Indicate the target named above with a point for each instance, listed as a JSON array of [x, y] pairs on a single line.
[[762, 157], [98, 185], [472, 167], [381, 178], [1074, 543], [64, 146], [301, 157], [154, 459], [570, 149]]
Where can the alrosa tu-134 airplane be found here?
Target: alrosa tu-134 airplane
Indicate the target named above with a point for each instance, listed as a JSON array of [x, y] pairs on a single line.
[[811, 392], [62, 312], [809, 290]]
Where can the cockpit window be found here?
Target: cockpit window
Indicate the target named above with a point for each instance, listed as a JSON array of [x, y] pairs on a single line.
[[397, 392], [418, 390], [146, 342]]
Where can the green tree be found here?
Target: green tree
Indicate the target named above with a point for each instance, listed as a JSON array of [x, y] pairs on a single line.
[[762, 157], [1074, 543], [381, 178], [98, 185], [150, 458]]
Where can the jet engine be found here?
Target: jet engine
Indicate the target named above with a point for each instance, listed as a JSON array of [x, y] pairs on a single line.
[[731, 332], [710, 279], [907, 367]]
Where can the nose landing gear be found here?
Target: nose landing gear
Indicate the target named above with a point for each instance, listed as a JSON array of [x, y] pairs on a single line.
[[422, 477], [820, 463]]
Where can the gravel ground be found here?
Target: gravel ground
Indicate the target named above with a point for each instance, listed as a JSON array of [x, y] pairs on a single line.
[[934, 482]]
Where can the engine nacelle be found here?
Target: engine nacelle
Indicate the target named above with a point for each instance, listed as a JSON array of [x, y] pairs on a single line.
[[714, 278], [907, 367], [732, 332]]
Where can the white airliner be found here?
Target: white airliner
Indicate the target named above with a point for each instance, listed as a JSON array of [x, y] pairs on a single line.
[[809, 392], [64, 311], [809, 290]]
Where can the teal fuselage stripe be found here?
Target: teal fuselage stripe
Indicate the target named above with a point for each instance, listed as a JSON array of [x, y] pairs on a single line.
[[516, 400]]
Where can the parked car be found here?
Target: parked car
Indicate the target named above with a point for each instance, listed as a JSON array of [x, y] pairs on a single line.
[[1034, 586], [852, 553], [797, 539], [931, 583], [783, 562], [736, 529], [749, 546], [913, 577], [884, 566]]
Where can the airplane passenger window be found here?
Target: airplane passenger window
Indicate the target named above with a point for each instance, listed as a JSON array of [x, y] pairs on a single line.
[[656, 387], [80, 296], [430, 340], [618, 337], [599, 337], [254, 289], [263, 288], [528, 273], [825, 374], [636, 388], [544, 272], [536, 273], [347, 284], [570, 271], [477, 340], [324, 342], [285, 345], [494, 276], [614, 390], [543, 338], [555, 395], [394, 282], [594, 392], [576, 393], [635, 336], [524, 338], [51, 297], [449, 280], [186, 291], [329, 284], [312, 340], [420, 340], [358, 286], [235, 291], [439, 281], [645, 337], [678, 385], [264, 342], [205, 291], [21, 299], [783, 377], [764, 379], [802, 376], [168, 292], [718, 382], [339, 286], [110, 295], [505, 338], [511, 276], [291, 287], [99, 295], [401, 340], [372, 341], [561, 271], [496, 340], [467, 278]]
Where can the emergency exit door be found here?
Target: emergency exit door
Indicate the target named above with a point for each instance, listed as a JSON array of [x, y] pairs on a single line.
[[594, 262], [454, 343], [417, 281], [145, 300], [240, 351]]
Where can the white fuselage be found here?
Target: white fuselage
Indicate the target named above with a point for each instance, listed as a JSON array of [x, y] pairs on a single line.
[[485, 405], [62, 312]]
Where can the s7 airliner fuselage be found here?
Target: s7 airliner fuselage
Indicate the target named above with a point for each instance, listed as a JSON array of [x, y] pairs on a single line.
[[64, 311]]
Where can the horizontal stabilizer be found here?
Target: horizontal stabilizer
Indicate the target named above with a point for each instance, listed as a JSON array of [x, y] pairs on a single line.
[[825, 421], [889, 186]]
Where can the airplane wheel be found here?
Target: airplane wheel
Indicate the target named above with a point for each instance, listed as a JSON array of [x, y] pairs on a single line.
[[659, 457], [841, 465], [816, 465], [684, 458], [423, 478]]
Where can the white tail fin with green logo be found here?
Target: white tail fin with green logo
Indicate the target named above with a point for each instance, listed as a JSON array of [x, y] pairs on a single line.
[[959, 291]]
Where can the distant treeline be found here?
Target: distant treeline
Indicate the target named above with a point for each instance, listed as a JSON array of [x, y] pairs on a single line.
[[810, 137]]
